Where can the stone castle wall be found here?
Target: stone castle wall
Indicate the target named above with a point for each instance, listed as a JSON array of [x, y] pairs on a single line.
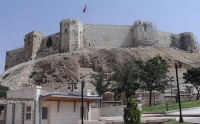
[[74, 35], [101, 36], [44, 50], [14, 57]]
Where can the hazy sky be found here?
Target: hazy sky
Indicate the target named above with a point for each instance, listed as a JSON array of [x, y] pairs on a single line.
[[19, 17]]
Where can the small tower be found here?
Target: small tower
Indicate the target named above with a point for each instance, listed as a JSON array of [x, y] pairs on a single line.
[[186, 41], [143, 33], [71, 35], [32, 43]]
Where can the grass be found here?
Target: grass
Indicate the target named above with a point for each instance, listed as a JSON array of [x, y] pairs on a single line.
[[171, 106], [175, 122]]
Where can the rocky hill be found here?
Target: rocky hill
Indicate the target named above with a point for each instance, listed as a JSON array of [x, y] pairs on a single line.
[[54, 71]]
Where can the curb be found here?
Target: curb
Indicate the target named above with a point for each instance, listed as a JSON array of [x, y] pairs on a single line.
[[168, 112]]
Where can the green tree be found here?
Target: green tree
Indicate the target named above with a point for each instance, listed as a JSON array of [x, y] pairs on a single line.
[[101, 85], [132, 114], [125, 80], [193, 76], [3, 90], [153, 74]]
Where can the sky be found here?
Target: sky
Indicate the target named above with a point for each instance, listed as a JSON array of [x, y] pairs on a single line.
[[19, 17]]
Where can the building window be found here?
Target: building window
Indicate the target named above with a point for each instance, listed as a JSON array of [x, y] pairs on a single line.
[[44, 112], [28, 112]]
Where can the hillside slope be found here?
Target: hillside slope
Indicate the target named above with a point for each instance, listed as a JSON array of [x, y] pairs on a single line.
[[54, 71]]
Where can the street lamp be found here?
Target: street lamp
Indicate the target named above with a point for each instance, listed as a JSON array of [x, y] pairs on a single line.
[[82, 86], [176, 67], [72, 85]]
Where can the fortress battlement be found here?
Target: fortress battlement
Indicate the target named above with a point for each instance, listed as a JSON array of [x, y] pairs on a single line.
[[74, 35]]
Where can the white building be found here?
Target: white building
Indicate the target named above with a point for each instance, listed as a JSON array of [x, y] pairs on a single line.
[[32, 106]]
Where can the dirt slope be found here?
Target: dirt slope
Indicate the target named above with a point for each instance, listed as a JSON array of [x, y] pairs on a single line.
[[54, 71]]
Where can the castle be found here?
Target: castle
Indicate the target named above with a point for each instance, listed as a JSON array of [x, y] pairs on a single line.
[[75, 35]]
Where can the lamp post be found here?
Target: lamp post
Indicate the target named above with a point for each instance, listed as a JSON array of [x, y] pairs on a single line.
[[171, 80], [115, 96], [72, 85], [82, 86], [176, 67]]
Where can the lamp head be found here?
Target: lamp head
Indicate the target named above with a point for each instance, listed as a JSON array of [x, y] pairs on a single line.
[[172, 78], [69, 83], [180, 63], [83, 83]]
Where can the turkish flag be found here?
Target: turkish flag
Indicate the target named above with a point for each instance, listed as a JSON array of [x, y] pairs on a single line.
[[84, 9]]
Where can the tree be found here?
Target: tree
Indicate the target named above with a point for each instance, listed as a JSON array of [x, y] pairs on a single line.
[[125, 78], [193, 76], [132, 114], [3, 90], [153, 74], [101, 85]]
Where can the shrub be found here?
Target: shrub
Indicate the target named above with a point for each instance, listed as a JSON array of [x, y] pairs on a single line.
[[6, 75], [65, 58], [3, 90], [33, 73], [132, 114], [95, 57]]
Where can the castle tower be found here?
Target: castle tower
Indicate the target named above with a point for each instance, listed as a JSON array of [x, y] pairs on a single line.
[[186, 41], [143, 33], [32, 43], [71, 35]]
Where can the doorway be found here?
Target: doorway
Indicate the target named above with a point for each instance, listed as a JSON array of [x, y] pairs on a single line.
[[45, 115]]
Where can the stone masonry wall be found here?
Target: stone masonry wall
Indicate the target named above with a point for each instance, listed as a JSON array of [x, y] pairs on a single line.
[[109, 36], [44, 50], [163, 38], [143, 34], [14, 57], [74, 35], [32, 43]]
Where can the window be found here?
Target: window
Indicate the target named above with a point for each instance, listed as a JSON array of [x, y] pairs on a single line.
[[28, 112], [44, 112]]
